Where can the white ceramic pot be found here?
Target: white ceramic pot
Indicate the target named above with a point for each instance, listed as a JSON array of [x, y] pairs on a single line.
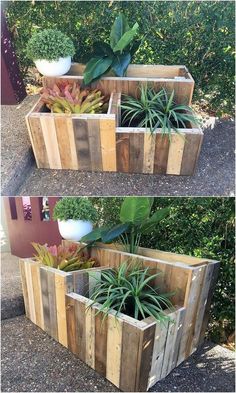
[[54, 68], [74, 229]]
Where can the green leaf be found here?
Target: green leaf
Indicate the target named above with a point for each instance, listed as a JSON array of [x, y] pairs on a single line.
[[135, 209], [148, 226], [95, 235], [126, 39], [115, 232], [95, 68], [102, 49], [119, 28], [120, 64]]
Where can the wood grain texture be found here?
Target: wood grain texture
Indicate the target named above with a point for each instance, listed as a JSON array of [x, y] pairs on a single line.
[[37, 141], [114, 342], [37, 294], [176, 148], [100, 344], [24, 287], [30, 291], [191, 152], [161, 154], [108, 144], [61, 288], [62, 140], [82, 144], [81, 283], [95, 144], [149, 152], [52, 304], [80, 319], [45, 299], [50, 140], [122, 152], [72, 145], [136, 153], [71, 324], [145, 357], [90, 337]]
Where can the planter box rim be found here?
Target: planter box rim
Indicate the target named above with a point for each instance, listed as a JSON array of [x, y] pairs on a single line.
[[158, 131]]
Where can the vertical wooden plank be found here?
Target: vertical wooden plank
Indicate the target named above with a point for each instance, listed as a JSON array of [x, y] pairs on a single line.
[[62, 286], [122, 151], [100, 344], [95, 144], [62, 140], [71, 137], [161, 154], [94, 277], [170, 342], [37, 141], [114, 342], [80, 329], [191, 152], [45, 299], [71, 324], [179, 332], [149, 152], [136, 152], [37, 294], [52, 304], [90, 337], [30, 292], [175, 155], [50, 140], [24, 287], [129, 358], [82, 144], [108, 144], [145, 357], [81, 283]]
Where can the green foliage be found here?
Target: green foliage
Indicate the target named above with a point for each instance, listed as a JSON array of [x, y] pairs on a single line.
[[115, 57], [201, 227], [155, 110], [62, 257], [70, 98], [49, 44], [128, 290], [199, 34], [75, 208], [135, 220]]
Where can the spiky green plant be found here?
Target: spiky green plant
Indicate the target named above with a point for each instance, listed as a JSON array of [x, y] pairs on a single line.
[[128, 290], [156, 110], [71, 98]]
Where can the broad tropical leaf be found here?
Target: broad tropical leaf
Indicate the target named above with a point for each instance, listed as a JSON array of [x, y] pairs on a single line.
[[120, 63], [119, 28], [135, 209], [114, 233], [96, 67], [126, 39]]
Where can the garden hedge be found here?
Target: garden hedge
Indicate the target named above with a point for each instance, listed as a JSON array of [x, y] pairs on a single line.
[[201, 227], [197, 34]]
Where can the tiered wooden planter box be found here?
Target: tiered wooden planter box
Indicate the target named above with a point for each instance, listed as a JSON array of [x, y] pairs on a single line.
[[98, 143], [132, 354]]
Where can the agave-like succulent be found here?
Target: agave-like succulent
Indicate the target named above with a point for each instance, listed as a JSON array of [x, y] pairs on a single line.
[[71, 98]]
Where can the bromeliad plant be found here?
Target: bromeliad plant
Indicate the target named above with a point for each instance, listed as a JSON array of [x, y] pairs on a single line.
[[71, 98], [63, 258], [136, 220], [116, 56], [156, 110], [129, 290]]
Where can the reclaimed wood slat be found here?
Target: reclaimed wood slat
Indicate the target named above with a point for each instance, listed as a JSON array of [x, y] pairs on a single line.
[[90, 337], [82, 144], [80, 320], [37, 141], [178, 337], [50, 140], [71, 324], [100, 344], [30, 292], [149, 152], [37, 294], [45, 299], [81, 283], [95, 144], [52, 304], [62, 140], [170, 342], [24, 287], [72, 145], [161, 154], [63, 285], [108, 144], [175, 155], [145, 357], [114, 342], [136, 152], [191, 152], [122, 152]]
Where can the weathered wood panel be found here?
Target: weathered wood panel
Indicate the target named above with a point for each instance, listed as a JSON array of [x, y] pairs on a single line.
[[176, 148], [37, 294], [149, 152], [108, 144], [161, 154], [136, 152], [191, 152], [114, 343], [50, 140], [95, 144], [45, 299], [122, 152], [82, 144], [24, 287], [100, 344], [37, 141]]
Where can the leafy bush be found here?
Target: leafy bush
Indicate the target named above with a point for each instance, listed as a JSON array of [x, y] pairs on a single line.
[[49, 45], [70, 208], [201, 227], [199, 34]]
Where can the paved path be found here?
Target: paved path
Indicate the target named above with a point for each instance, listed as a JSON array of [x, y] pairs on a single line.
[[214, 175], [34, 362]]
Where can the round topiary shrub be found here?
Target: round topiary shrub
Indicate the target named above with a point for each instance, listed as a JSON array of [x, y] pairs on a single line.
[[50, 45], [75, 208]]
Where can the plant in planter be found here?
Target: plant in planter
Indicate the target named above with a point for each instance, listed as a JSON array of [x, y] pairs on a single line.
[[155, 110], [128, 290], [67, 98], [116, 56], [62, 257], [136, 219], [51, 51], [75, 217]]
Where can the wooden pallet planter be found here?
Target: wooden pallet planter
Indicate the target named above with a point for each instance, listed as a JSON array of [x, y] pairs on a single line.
[[44, 290], [175, 77], [82, 142]]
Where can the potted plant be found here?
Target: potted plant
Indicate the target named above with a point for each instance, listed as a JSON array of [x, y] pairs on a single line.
[[51, 50], [75, 217]]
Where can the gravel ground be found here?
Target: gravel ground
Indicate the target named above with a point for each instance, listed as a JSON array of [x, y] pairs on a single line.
[[12, 303], [34, 362], [214, 175]]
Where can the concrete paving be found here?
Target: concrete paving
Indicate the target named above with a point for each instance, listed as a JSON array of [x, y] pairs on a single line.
[[214, 175]]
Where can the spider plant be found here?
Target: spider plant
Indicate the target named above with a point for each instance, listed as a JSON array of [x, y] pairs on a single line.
[[128, 290], [156, 110]]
